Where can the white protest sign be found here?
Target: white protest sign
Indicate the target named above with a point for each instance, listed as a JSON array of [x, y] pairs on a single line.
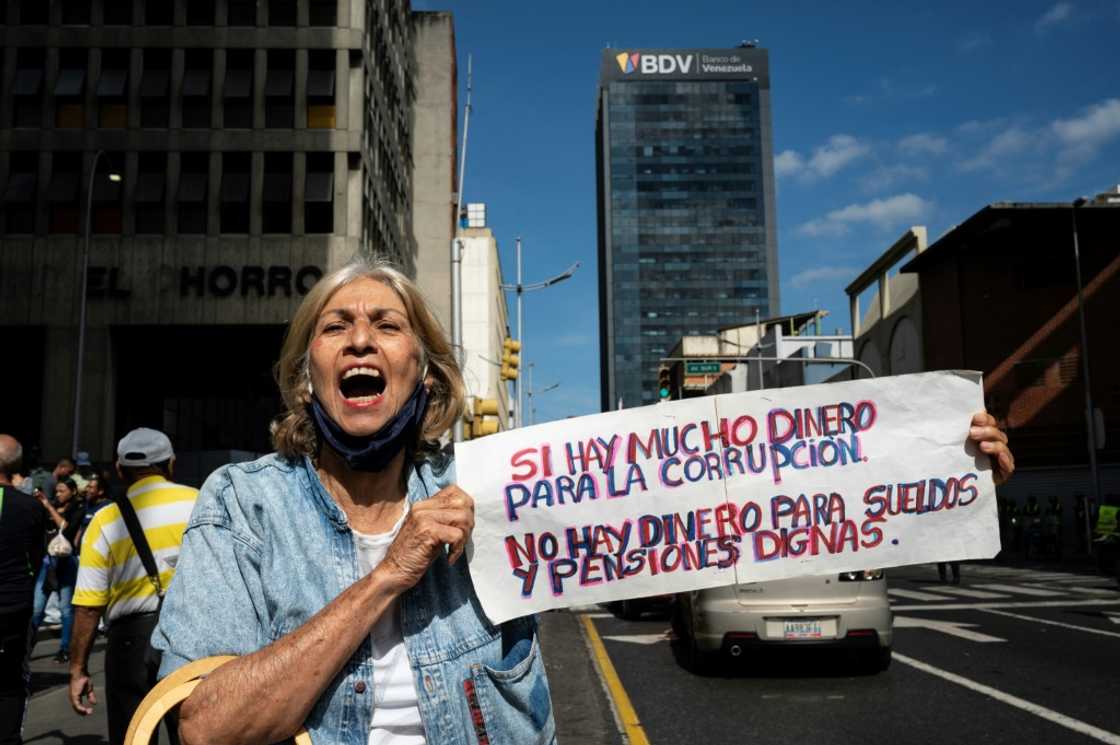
[[732, 488]]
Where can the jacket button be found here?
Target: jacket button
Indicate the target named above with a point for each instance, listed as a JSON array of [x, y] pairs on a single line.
[[360, 687]]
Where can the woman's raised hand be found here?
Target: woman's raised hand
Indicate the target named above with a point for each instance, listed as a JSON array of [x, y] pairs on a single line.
[[983, 430], [445, 519]]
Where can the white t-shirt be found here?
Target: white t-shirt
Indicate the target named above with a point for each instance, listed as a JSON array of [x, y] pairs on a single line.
[[396, 715]]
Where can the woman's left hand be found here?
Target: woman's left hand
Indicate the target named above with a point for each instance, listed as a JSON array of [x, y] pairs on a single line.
[[992, 441]]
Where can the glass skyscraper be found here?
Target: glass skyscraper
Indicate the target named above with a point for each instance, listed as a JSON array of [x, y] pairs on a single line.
[[687, 239]]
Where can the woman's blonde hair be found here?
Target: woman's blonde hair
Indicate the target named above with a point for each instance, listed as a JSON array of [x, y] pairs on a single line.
[[293, 433]]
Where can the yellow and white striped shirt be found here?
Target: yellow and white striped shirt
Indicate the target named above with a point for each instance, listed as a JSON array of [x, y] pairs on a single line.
[[110, 572]]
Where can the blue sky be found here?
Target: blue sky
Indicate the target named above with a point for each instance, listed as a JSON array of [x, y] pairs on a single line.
[[884, 117]]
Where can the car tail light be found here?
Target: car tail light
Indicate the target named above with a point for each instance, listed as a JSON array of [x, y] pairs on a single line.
[[866, 575], [862, 632]]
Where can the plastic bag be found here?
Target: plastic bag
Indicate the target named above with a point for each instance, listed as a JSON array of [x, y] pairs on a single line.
[[59, 546]]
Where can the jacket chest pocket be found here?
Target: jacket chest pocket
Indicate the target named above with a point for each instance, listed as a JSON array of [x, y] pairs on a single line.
[[509, 704]]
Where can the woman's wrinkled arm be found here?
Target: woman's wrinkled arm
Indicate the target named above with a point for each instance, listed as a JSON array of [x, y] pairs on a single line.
[[281, 683]]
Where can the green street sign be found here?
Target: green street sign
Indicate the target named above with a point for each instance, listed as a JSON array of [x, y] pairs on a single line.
[[701, 368]]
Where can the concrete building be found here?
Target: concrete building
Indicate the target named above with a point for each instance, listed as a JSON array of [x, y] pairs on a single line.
[[485, 322], [260, 143], [998, 293], [687, 219], [888, 337], [434, 138]]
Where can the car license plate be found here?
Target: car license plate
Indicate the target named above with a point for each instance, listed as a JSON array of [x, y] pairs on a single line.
[[804, 628]]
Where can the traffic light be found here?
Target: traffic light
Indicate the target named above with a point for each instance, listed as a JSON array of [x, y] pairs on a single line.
[[664, 389], [484, 407], [510, 359]]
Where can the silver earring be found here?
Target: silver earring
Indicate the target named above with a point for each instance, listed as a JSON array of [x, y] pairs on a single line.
[[310, 390]]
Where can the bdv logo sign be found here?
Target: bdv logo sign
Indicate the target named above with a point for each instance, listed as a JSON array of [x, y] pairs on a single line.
[[665, 64]]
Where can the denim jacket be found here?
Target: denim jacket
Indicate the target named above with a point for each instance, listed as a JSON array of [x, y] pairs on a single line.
[[267, 547]]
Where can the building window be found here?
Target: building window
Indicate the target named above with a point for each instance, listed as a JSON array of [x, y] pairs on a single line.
[[154, 87], [69, 89], [19, 193], [320, 89], [196, 88], [200, 12], [237, 93], [323, 13], [151, 186], [117, 13], [106, 197], [194, 178], [279, 109], [112, 89], [235, 192], [318, 194], [242, 13], [158, 12], [281, 13], [27, 89], [33, 12], [62, 193], [276, 195], [75, 12]]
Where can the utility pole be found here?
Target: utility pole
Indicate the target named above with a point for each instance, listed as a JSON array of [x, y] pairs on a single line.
[[457, 256], [1090, 413]]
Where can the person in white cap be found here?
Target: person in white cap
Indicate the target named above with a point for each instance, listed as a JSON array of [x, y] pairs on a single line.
[[125, 582]]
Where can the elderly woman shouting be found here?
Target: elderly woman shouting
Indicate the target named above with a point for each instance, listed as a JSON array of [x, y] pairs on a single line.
[[334, 566]]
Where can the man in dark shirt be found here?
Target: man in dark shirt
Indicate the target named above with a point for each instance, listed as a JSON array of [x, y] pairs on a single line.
[[22, 523]]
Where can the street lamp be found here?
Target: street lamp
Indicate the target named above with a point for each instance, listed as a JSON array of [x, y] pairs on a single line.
[[520, 289], [115, 177], [1090, 419], [530, 393]]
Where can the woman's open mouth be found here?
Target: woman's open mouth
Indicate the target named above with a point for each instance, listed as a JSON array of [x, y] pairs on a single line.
[[362, 386]]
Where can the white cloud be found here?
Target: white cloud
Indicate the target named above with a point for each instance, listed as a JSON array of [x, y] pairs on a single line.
[[923, 143], [1008, 142], [839, 152], [972, 41], [788, 163], [822, 274], [1057, 15], [1081, 136], [881, 213], [889, 176]]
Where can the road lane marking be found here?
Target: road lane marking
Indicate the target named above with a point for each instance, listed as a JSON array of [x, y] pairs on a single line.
[[915, 595], [620, 702], [1021, 590], [1093, 590], [1048, 622], [639, 638], [960, 630], [1010, 604], [1032, 708], [966, 593]]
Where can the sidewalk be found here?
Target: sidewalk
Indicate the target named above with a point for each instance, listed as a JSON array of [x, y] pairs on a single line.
[[579, 702], [50, 720]]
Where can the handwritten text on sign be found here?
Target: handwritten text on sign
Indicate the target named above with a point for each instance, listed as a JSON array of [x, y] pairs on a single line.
[[733, 488]]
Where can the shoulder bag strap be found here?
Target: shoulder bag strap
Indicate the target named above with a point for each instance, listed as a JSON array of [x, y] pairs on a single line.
[[143, 550]]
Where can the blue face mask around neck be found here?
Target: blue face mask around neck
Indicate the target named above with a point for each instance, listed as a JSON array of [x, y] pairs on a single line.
[[376, 451]]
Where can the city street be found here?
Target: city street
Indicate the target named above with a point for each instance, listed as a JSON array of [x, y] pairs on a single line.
[[1009, 656]]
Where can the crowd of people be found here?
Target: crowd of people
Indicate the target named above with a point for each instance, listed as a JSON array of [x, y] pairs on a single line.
[[65, 534]]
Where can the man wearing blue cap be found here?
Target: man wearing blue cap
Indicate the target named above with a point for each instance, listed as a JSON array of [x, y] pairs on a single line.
[[127, 586]]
